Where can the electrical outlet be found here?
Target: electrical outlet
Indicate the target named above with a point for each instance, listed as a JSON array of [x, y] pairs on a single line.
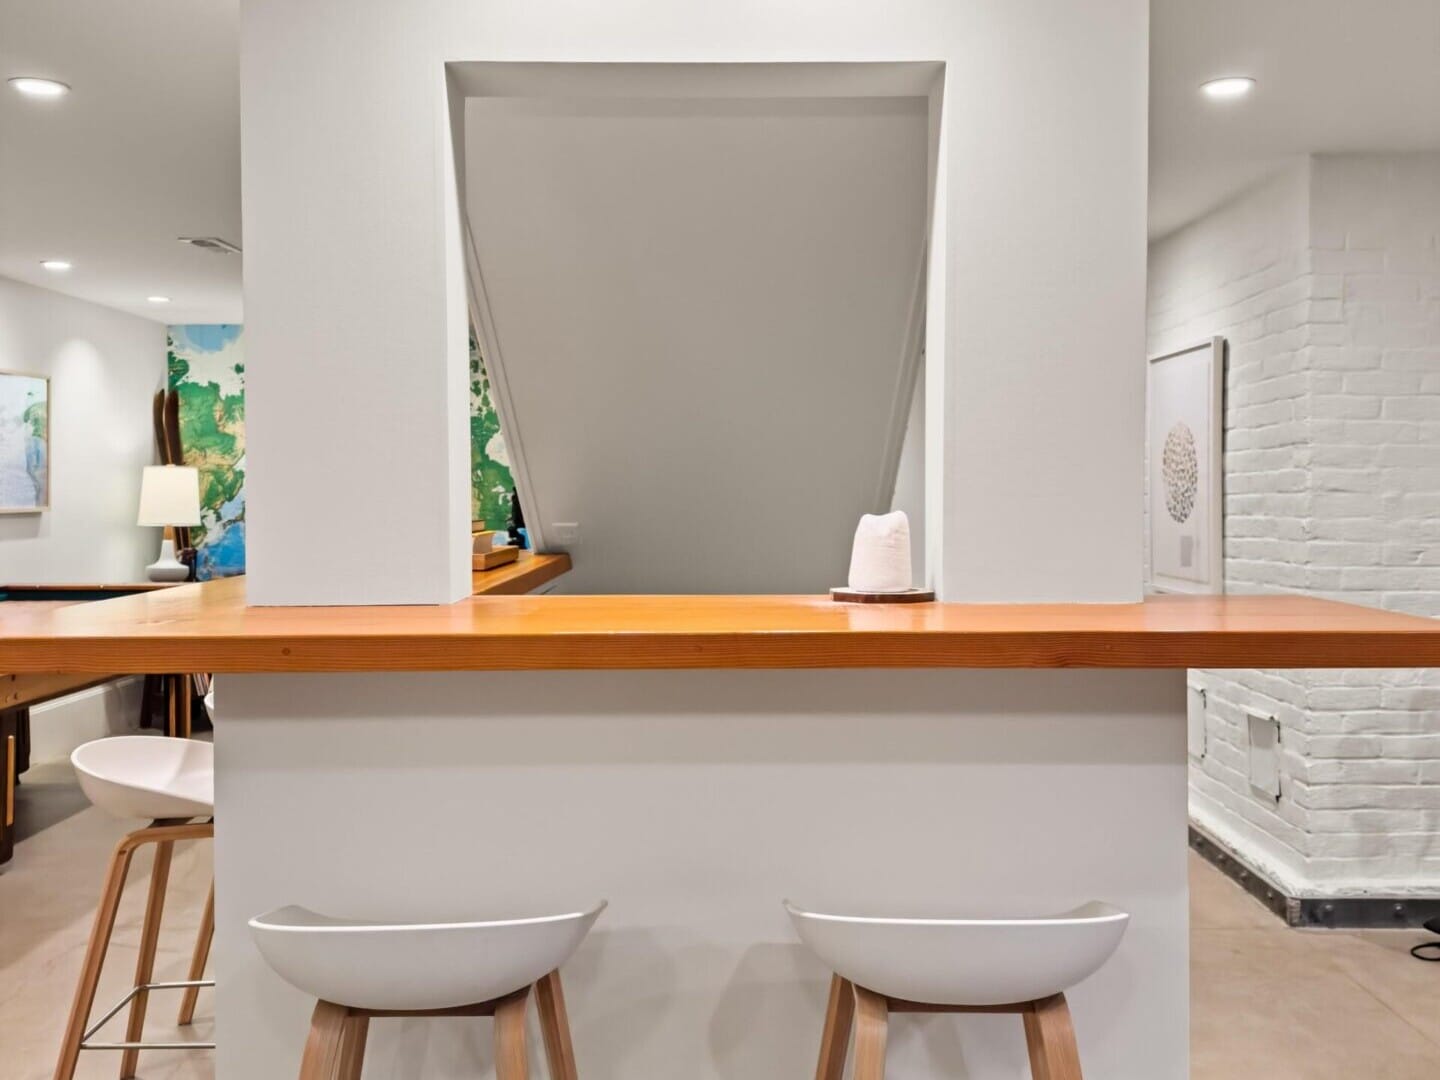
[[1264, 753], [565, 532], [1195, 720]]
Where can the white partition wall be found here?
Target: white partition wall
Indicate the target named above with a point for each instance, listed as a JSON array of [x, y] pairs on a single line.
[[355, 294], [698, 799]]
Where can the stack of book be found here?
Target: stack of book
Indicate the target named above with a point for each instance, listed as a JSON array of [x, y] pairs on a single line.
[[486, 553]]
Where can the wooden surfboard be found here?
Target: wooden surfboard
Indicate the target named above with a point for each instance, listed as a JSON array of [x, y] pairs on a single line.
[[174, 451]]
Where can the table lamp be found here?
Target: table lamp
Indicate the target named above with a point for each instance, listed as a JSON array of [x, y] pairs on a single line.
[[169, 497]]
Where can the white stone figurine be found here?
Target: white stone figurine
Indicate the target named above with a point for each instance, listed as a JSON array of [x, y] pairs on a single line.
[[880, 559]]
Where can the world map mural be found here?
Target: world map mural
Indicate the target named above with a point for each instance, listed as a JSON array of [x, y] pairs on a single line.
[[207, 369]]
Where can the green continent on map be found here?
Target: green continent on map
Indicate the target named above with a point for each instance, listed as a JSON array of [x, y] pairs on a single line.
[[490, 478], [34, 416], [214, 439]]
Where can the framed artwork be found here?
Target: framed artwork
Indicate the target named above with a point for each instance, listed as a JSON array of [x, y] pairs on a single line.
[[1185, 393], [24, 443]]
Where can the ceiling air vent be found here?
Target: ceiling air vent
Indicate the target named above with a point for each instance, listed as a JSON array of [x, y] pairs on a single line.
[[212, 243]]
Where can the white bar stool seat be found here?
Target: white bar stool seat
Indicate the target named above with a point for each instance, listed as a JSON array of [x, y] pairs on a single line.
[[359, 970], [146, 776], [415, 967], [1020, 965], [171, 782]]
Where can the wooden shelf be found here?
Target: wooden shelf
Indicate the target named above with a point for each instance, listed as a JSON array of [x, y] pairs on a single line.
[[209, 628], [524, 575]]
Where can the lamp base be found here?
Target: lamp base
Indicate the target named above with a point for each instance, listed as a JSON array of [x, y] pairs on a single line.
[[167, 567]]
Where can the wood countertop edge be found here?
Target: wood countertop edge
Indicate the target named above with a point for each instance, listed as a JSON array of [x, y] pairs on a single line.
[[670, 650], [209, 627]]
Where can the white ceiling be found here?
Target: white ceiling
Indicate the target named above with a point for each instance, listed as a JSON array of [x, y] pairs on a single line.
[[1332, 75], [145, 148]]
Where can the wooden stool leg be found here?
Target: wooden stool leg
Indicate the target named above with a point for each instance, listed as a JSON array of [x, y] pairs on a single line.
[[835, 1041], [323, 1049], [185, 690], [94, 959], [872, 1025], [510, 1037], [172, 702], [147, 700], [555, 1026], [145, 964], [352, 1054], [1050, 1038], [198, 960]]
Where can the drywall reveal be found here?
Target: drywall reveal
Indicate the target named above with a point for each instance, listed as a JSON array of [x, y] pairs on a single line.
[[703, 308]]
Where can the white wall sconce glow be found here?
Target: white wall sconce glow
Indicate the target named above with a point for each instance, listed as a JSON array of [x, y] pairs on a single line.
[[39, 88], [1227, 89], [55, 266], [158, 299]]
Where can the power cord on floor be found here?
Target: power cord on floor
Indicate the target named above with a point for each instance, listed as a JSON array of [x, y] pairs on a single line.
[[1429, 951]]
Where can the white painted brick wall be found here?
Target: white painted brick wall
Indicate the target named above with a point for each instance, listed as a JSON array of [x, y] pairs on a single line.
[[1326, 282]]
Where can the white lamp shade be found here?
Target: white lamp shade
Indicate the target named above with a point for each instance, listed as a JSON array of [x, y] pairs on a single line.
[[170, 495]]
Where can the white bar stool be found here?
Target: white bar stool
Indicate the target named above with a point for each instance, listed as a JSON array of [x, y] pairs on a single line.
[[1024, 965], [359, 970], [171, 782]]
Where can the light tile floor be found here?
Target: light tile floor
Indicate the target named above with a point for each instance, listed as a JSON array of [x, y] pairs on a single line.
[[1269, 1003], [1272, 1003]]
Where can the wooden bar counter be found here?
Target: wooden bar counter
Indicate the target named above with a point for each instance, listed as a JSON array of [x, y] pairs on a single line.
[[512, 755], [208, 628]]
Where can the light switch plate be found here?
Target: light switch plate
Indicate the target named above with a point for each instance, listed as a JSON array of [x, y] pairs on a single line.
[[1264, 753]]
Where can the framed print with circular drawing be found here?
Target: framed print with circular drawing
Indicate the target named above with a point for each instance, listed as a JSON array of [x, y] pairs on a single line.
[[1185, 393]]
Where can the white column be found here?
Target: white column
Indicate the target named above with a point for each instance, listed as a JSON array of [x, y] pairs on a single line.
[[1041, 307], [357, 387]]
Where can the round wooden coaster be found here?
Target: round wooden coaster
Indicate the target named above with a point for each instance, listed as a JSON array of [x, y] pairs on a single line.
[[909, 596]]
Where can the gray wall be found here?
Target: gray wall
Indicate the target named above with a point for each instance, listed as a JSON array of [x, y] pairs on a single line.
[[701, 310]]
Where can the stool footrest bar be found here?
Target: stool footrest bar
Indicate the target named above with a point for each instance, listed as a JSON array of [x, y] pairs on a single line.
[[148, 1046], [184, 984]]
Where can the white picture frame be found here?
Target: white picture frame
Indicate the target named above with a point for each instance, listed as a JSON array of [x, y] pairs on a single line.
[[1185, 478], [24, 453]]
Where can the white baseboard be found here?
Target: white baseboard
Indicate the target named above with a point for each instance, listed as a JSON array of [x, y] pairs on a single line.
[[58, 727], [1255, 851]]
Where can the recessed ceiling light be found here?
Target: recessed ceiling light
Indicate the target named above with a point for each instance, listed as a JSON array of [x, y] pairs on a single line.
[[39, 88], [158, 299], [58, 266], [1228, 88]]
